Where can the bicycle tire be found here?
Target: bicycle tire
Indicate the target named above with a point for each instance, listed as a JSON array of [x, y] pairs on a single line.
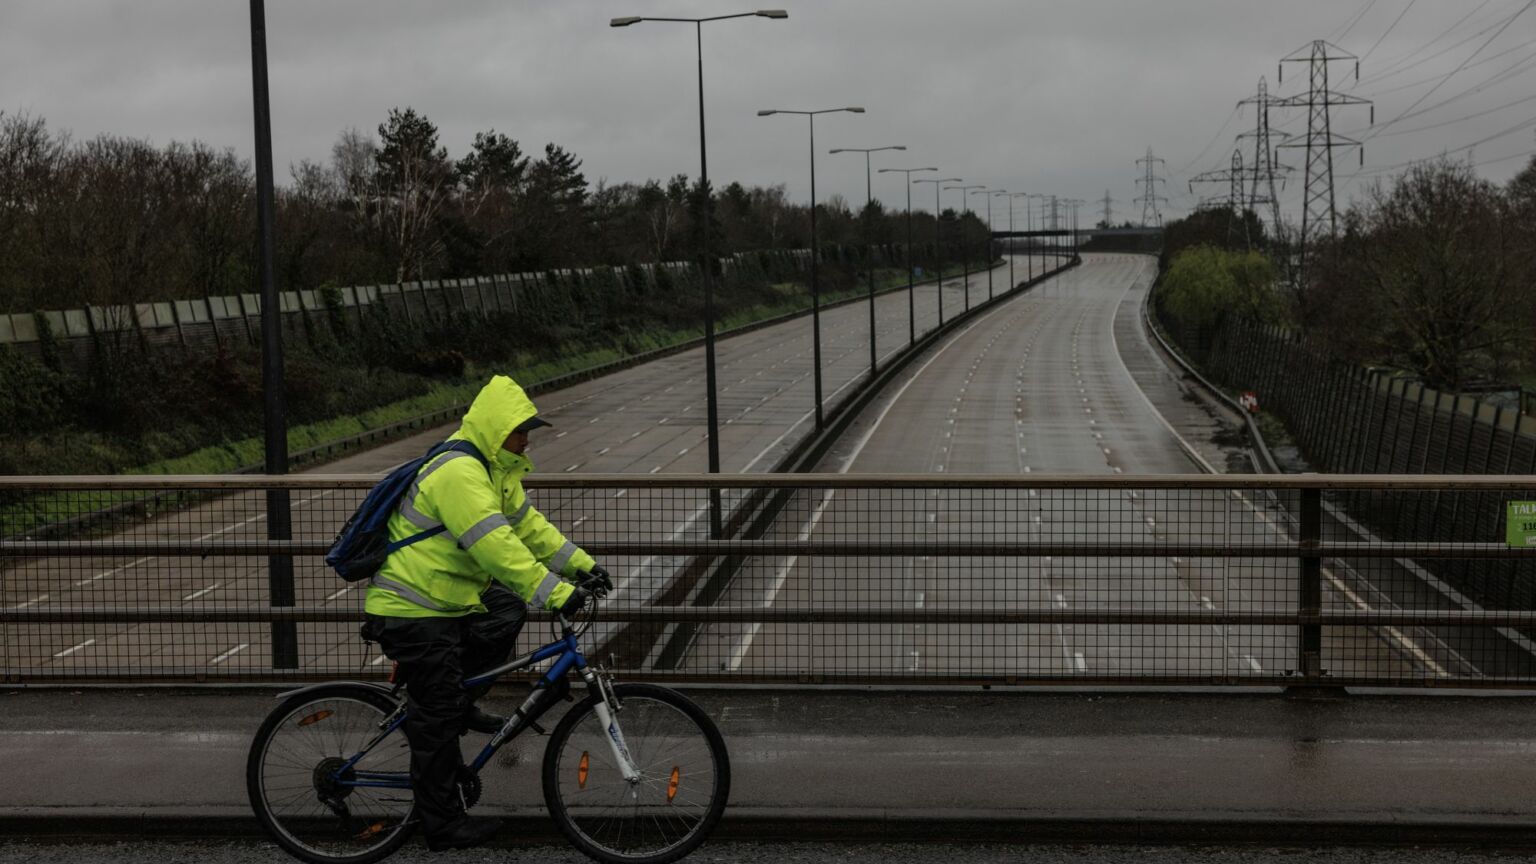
[[260, 754], [630, 697]]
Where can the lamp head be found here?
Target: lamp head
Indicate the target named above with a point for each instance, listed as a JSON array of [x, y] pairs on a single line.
[[625, 22], [854, 110], [772, 13], [765, 112]]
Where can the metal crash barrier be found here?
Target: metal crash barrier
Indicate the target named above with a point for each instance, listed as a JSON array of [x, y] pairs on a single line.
[[1033, 579]]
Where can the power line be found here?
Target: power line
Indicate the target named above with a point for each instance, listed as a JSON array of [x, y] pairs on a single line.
[[1389, 30], [1338, 35], [1461, 119], [1459, 67], [1396, 67], [1208, 145], [1422, 81]]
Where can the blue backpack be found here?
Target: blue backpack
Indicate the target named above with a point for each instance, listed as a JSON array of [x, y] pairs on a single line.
[[363, 544]]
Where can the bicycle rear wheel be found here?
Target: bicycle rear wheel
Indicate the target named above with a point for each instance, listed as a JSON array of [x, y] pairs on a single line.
[[303, 795], [665, 814]]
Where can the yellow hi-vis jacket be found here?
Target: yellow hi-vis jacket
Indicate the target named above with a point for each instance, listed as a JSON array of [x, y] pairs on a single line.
[[493, 530]]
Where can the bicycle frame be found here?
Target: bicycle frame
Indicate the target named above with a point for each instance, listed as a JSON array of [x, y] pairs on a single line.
[[566, 653]]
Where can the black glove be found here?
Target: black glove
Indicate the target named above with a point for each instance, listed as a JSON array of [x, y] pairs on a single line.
[[597, 581], [580, 598]]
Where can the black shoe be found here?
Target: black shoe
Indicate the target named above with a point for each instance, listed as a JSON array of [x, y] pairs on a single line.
[[463, 833], [480, 721]]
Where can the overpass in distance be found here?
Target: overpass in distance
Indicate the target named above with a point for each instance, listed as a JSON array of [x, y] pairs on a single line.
[[1062, 379]]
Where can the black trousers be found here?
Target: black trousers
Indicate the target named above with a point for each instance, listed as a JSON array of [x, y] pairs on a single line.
[[435, 656]]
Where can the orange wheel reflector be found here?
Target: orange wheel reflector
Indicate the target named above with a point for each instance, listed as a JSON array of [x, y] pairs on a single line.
[[672, 784], [581, 770], [370, 831], [315, 718]]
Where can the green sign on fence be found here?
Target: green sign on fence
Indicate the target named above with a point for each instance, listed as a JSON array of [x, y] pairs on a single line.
[[1522, 523]]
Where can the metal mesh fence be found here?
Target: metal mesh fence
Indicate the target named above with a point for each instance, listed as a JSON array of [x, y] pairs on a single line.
[[1212, 580]]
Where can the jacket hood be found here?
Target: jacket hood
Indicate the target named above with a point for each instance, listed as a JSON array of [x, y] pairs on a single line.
[[498, 409]]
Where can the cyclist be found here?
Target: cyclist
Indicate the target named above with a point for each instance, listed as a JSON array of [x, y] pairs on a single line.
[[450, 606]]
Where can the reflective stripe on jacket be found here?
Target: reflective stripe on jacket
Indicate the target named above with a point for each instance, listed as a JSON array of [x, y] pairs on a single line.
[[493, 530]]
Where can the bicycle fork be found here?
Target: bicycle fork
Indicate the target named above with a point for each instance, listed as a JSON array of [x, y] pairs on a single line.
[[606, 709]]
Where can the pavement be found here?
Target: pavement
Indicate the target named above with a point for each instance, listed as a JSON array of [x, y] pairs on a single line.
[[881, 766]]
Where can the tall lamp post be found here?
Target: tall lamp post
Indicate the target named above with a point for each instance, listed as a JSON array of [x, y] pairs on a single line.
[[938, 239], [815, 286], [1003, 193], [1029, 276], [869, 200], [712, 409], [911, 277], [965, 207], [991, 256], [285, 638]]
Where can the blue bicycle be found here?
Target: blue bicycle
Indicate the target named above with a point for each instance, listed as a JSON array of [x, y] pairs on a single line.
[[632, 773]]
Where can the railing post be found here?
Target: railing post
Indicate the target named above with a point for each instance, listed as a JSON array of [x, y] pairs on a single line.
[[1310, 586]]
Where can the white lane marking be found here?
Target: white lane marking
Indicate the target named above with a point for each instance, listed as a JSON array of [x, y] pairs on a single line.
[[1206, 602], [780, 576], [621, 493], [683, 452], [922, 598], [228, 654], [740, 651], [1184, 445], [115, 570], [656, 469], [1061, 602], [201, 591], [577, 523], [561, 434], [1252, 663], [1077, 660], [378, 661], [339, 592], [68, 651], [570, 468], [33, 602], [603, 452]]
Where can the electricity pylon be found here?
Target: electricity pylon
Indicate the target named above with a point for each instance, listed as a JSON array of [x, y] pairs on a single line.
[[1318, 212], [1150, 215], [1262, 191], [1236, 180]]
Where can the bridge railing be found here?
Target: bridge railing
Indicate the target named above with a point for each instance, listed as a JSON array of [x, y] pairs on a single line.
[[930, 579]]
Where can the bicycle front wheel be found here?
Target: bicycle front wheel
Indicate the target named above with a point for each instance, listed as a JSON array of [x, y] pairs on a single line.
[[310, 790], [664, 814]]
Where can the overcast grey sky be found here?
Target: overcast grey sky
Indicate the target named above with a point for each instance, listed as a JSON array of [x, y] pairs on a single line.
[[1028, 95]]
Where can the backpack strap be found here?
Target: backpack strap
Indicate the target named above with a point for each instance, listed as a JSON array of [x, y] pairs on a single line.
[[457, 445]]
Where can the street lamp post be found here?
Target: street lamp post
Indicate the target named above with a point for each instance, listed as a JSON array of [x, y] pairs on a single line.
[[815, 286], [990, 254], [1029, 276], [911, 277], [938, 239], [869, 201], [965, 207], [712, 406], [285, 639], [1005, 194]]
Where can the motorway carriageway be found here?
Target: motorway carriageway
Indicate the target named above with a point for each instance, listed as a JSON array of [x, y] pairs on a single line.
[[645, 420], [1042, 384]]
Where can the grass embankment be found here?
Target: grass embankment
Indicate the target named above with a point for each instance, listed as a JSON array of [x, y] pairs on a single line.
[[31, 511]]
